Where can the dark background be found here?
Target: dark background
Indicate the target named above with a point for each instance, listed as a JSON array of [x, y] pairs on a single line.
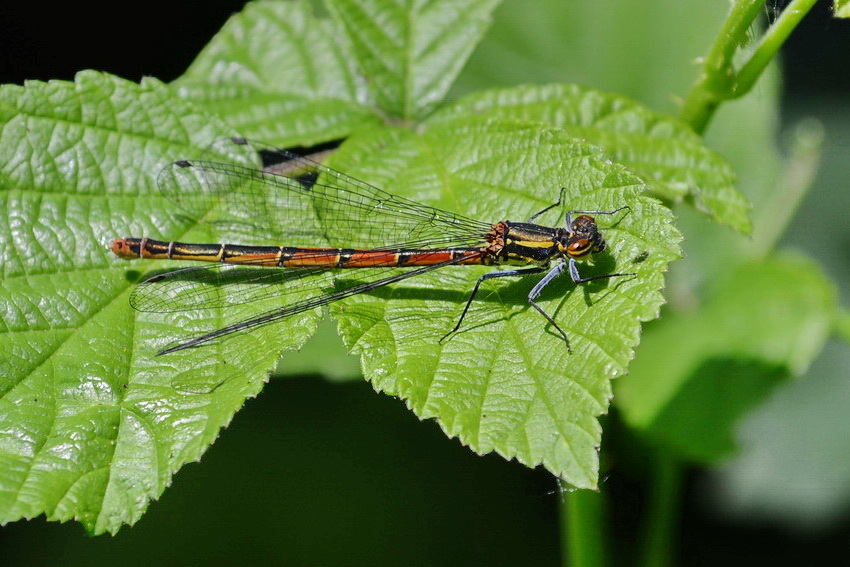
[[320, 473]]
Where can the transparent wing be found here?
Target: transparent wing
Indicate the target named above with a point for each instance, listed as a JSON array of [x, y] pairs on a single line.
[[272, 196], [298, 291], [217, 286], [290, 200]]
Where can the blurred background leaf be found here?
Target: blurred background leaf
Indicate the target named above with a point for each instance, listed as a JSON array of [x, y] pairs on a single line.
[[281, 74]]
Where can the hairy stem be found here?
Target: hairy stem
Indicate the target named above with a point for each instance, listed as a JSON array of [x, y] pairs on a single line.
[[717, 77]]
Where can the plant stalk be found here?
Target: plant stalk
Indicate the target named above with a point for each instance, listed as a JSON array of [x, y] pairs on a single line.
[[770, 43], [582, 528], [716, 81], [662, 517], [773, 217]]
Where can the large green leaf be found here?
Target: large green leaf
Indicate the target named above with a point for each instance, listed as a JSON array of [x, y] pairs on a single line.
[[93, 426]]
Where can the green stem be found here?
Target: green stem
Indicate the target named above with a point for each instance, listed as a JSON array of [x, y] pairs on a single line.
[[772, 217], [718, 80], [717, 77], [769, 45], [582, 529], [662, 518]]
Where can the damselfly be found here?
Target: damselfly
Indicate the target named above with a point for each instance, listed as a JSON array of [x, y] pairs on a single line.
[[324, 221]]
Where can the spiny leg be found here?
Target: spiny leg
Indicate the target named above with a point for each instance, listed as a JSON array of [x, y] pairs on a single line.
[[576, 277], [550, 207], [488, 276], [538, 289], [571, 213]]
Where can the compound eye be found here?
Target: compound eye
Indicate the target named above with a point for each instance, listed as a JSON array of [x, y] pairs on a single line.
[[579, 248]]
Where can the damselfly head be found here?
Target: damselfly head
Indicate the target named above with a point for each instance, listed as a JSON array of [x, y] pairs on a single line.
[[584, 238]]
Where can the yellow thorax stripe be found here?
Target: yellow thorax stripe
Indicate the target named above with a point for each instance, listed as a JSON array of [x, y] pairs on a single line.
[[533, 243]]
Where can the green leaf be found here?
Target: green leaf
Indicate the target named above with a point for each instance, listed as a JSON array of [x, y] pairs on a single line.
[[655, 146], [278, 72], [841, 9], [411, 52], [697, 375], [505, 382], [93, 424]]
